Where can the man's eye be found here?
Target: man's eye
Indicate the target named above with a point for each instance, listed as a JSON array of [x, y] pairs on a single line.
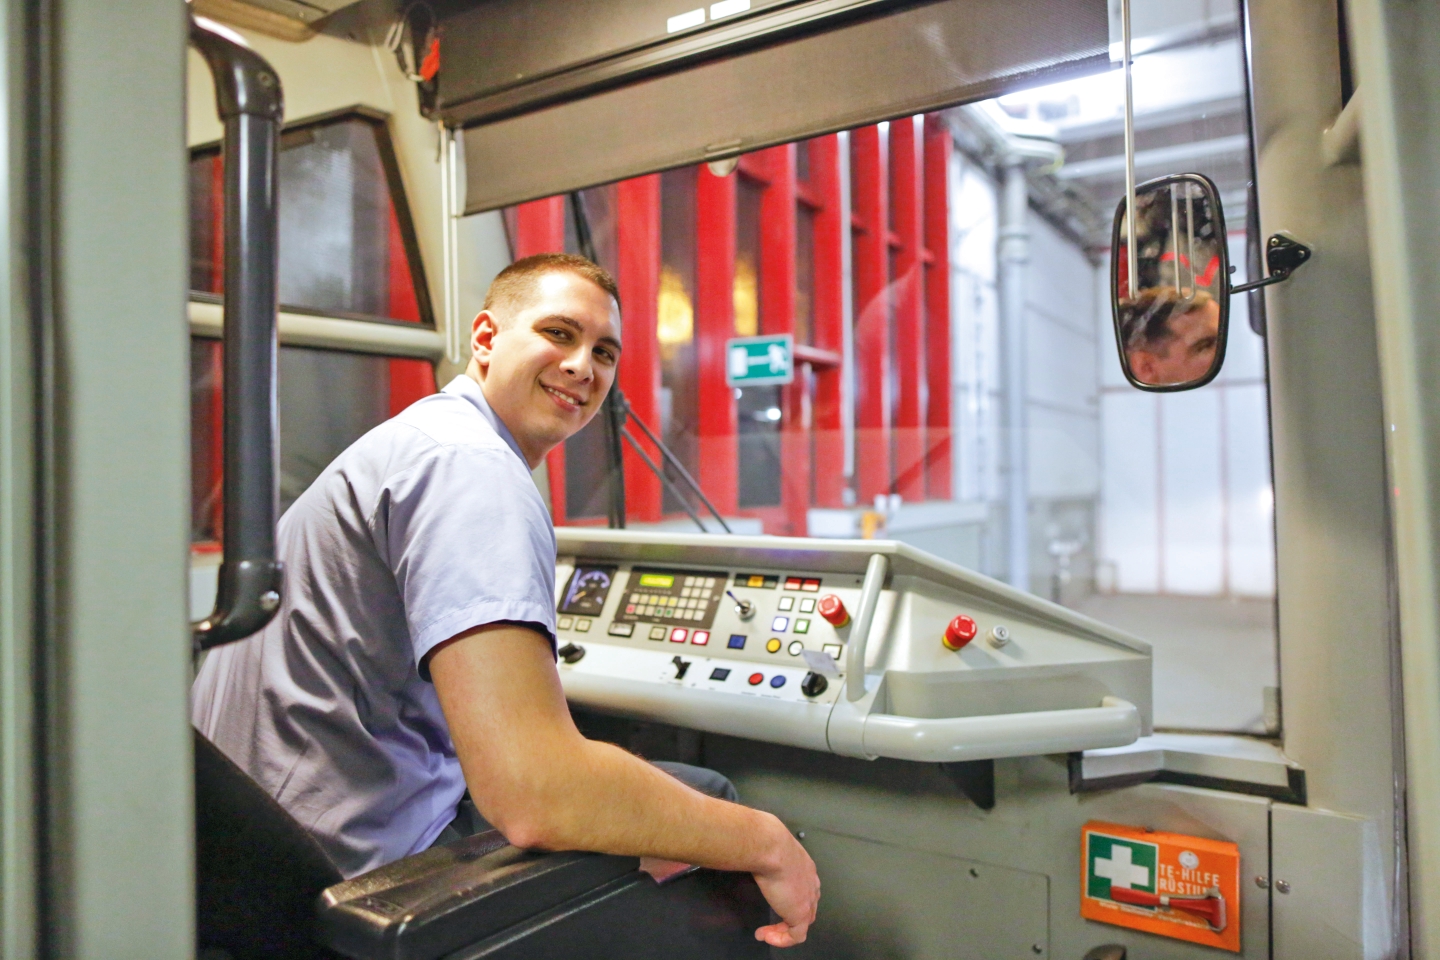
[[606, 355], [558, 332]]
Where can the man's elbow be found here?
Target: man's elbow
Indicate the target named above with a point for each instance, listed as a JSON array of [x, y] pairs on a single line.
[[529, 830]]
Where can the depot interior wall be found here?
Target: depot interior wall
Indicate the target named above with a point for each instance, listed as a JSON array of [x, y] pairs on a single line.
[[1187, 500], [1062, 383], [1062, 411]]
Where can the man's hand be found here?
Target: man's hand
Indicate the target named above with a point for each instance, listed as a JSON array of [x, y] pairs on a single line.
[[544, 786], [793, 891]]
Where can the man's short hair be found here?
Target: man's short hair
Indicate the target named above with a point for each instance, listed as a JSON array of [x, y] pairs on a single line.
[[1145, 320], [514, 287]]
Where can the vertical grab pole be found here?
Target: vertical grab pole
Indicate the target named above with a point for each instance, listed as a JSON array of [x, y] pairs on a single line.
[[247, 93], [875, 574]]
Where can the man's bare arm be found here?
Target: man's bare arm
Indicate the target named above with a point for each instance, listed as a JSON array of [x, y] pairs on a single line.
[[543, 785]]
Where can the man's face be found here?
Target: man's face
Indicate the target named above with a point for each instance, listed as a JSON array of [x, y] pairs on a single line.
[[1186, 354], [545, 368]]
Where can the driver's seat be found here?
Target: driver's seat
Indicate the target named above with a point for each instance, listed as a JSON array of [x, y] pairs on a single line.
[[265, 889]]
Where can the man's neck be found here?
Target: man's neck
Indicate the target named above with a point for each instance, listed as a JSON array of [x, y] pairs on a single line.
[[533, 457]]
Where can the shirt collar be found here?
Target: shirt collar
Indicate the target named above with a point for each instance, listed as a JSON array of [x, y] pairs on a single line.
[[465, 386]]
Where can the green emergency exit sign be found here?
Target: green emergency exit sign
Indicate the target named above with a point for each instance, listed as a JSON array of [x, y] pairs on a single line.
[[757, 361]]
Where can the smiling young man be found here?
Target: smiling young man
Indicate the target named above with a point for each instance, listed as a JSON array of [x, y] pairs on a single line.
[[413, 655]]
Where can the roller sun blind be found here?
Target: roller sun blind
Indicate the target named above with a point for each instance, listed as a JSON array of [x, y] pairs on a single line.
[[555, 95]]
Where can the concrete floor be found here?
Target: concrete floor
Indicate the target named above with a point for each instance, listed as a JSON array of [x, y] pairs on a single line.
[[1214, 657]]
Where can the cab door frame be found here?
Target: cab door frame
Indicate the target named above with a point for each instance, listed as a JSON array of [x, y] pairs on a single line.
[[96, 836]]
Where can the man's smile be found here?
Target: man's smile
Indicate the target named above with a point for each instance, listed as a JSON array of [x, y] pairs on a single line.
[[564, 397]]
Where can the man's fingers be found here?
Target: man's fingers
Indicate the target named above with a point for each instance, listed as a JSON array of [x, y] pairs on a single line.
[[782, 934]]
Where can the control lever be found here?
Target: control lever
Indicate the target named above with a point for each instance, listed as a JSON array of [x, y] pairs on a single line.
[[680, 667], [572, 653], [744, 608], [813, 685]]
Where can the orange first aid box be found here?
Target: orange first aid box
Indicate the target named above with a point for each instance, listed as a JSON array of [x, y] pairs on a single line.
[[1162, 883]]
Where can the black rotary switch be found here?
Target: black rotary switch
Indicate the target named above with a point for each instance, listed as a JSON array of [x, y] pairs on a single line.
[[680, 667], [572, 653], [813, 685]]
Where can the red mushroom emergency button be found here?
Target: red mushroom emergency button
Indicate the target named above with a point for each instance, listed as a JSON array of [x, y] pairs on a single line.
[[960, 631], [832, 608]]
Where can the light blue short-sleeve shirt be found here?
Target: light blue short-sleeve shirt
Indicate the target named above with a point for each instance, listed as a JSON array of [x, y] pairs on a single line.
[[427, 526]]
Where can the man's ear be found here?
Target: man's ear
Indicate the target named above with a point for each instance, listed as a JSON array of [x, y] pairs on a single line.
[[482, 336]]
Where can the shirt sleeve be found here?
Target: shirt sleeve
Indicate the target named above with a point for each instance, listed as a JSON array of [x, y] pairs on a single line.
[[469, 542]]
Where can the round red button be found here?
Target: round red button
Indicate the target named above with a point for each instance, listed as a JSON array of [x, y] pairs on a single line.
[[756, 679], [832, 608], [960, 632]]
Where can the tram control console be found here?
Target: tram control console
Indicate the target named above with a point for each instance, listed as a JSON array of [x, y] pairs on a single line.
[[864, 648]]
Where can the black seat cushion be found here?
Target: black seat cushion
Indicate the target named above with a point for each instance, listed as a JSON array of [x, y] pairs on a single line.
[[258, 873]]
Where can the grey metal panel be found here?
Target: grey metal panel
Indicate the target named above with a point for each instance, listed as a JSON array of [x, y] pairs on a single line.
[[513, 56], [883, 900], [1328, 433], [1396, 49], [119, 848], [1034, 827], [19, 928], [918, 59], [1327, 890]]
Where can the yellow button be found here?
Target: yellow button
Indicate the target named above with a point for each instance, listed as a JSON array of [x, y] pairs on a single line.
[[773, 645]]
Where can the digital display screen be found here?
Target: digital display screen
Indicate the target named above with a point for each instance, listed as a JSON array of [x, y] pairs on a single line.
[[588, 587], [662, 580]]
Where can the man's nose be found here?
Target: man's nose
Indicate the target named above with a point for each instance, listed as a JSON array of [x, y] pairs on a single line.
[[577, 363]]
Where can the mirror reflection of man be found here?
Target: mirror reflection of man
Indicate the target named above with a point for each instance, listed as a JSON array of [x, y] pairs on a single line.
[[414, 654], [1170, 339]]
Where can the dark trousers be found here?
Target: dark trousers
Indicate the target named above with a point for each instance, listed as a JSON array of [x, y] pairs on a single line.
[[468, 821]]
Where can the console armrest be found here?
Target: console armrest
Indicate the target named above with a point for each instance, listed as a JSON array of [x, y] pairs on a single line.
[[436, 902]]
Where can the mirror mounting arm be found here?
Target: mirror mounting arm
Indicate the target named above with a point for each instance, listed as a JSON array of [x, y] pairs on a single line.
[[1282, 256]]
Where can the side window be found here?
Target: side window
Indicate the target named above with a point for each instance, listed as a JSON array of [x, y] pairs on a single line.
[[346, 249]]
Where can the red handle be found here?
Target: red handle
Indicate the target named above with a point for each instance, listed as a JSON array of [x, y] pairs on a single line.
[[1211, 909]]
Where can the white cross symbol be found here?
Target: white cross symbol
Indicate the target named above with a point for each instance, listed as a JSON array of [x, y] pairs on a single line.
[[1120, 871]]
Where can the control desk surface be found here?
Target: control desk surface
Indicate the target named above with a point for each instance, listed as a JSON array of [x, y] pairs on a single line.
[[866, 648]]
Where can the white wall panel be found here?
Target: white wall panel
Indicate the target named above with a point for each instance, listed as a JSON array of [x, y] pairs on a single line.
[[1063, 408], [1192, 515], [1130, 487], [1250, 513], [1063, 454], [1244, 349], [975, 376]]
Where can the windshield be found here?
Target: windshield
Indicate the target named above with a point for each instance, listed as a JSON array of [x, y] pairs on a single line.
[[857, 335]]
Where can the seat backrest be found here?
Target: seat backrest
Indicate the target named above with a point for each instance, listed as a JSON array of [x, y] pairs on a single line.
[[258, 873]]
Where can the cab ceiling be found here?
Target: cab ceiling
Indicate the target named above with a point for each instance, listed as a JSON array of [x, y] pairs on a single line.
[[555, 96]]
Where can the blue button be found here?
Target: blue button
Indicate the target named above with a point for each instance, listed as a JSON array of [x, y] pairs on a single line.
[[737, 641], [777, 682], [720, 673]]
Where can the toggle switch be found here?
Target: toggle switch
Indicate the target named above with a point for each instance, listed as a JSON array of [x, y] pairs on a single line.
[[681, 665], [572, 653], [744, 609], [832, 608], [960, 631]]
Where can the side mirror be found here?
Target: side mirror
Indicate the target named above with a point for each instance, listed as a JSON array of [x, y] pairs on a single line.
[[1173, 316]]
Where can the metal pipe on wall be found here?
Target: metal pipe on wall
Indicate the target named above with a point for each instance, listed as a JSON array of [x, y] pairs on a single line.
[[1014, 256]]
